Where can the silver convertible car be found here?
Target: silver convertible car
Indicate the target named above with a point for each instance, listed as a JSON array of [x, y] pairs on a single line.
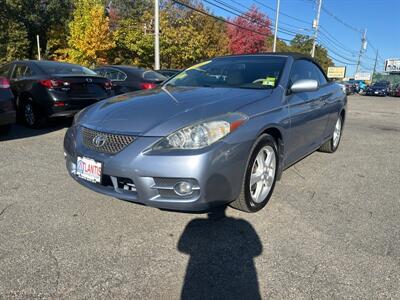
[[220, 132]]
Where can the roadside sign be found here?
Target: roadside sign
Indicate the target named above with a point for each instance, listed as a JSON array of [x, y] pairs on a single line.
[[392, 65], [336, 72], [363, 76]]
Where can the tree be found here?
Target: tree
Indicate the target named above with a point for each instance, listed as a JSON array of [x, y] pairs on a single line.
[[134, 42], [90, 37], [186, 37], [303, 44], [16, 43], [250, 33], [35, 18], [281, 45]]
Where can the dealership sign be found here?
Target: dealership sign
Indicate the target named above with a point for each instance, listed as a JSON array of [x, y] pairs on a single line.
[[363, 76], [336, 72], [392, 65]]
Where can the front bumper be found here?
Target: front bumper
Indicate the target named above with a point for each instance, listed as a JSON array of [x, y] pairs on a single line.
[[216, 172], [376, 93]]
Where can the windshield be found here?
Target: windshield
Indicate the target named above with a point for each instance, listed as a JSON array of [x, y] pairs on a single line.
[[153, 76], [256, 72], [62, 68]]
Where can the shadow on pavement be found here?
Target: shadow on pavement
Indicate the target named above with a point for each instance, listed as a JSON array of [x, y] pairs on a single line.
[[19, 131], [221, 262]]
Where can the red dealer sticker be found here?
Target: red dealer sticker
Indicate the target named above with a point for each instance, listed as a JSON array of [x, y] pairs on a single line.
[[88, 169]]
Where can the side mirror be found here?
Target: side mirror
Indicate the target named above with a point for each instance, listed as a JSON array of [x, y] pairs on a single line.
[[304, 85]]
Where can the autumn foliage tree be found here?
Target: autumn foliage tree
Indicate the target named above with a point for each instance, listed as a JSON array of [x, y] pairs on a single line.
[[90, 36], [250, 32]]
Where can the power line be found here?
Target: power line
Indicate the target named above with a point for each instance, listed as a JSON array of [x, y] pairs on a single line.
[[283, 14], [245, 15], [280, 22], [221, 19]]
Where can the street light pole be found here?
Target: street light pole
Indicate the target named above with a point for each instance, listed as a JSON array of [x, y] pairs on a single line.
[[316, 25], [156, 35], [278, 3]]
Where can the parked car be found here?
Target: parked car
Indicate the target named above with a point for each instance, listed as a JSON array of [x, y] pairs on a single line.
[[7, 109], [221, 132], [130, 78], [349, 87], [169, 72], [380, 88], [395, 92], [359, 86], [47, 89]]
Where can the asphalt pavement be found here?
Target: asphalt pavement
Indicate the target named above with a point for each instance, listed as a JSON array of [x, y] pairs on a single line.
[[331, 229]]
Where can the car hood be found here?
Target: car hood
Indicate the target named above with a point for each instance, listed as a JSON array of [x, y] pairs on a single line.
[[160, 111]]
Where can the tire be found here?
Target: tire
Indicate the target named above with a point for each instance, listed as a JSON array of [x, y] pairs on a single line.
[[248, 201], [332, 144], [32, 116]]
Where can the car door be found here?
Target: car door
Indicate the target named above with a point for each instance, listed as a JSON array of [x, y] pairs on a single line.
[[307, 118]]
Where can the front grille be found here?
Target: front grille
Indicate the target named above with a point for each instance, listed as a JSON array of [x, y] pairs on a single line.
[[109, 143]]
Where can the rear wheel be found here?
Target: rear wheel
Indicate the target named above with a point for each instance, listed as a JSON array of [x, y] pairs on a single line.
[[260, 177], [332, 145], [32, 116]]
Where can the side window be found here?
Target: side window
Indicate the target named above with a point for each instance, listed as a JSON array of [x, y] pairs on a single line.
[[115, 75], [304, 69], [100, 72], [28, 72], [322, 78], [19, 71]]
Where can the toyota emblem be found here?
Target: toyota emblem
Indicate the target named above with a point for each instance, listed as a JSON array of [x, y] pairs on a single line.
[[99, 140], [89, 80]]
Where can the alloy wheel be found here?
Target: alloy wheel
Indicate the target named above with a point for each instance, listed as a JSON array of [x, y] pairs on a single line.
[[262, 174], [337, 132], [29, 114]]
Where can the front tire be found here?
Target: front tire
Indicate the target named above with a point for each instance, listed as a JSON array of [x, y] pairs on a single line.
[[332, 145], [260, 176]]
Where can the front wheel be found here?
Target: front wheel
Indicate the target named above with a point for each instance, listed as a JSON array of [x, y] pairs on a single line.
[[260, 176], [332, 145]]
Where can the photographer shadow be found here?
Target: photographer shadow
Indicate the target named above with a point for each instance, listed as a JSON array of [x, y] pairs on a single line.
[[221, 262]]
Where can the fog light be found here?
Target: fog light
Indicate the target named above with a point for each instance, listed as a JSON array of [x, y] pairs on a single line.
[[183, 188]]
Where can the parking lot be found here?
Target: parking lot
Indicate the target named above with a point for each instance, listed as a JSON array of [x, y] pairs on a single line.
[[331, 228]]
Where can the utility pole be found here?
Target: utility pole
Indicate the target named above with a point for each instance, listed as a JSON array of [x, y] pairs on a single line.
[[316, 25], [278, 4], [363, 47], [376, 61], [38, 46], [156, 35]]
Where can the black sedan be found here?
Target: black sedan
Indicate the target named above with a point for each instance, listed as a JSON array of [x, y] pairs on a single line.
[[45, 89], [378, 89], [130, 78], [7, 109]]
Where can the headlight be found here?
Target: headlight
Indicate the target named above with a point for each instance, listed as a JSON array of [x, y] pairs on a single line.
[[202, 134]]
